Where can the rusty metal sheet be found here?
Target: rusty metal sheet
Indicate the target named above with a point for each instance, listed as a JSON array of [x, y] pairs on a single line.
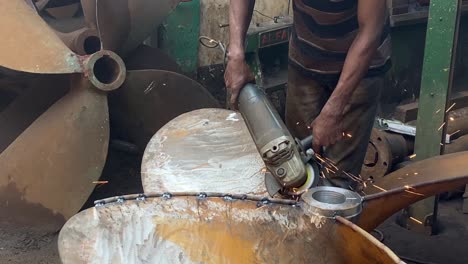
[[113, 22], [190, 229], [48, 171], [410, 184], [21, 26], [149, 99], [206, 150], [148, 58]]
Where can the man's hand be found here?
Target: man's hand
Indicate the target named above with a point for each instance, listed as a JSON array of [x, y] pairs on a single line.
[[327, 130], [236, 76]]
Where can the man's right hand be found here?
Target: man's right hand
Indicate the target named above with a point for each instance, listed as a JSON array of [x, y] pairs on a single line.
[[237, 75]]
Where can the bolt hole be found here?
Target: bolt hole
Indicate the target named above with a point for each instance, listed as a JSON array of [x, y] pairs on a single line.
[[106, 69], [329, 197], [385, 164], [275, 148], [379, 139], [92, 44]]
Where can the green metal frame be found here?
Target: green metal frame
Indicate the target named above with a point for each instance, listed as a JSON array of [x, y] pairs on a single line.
[[436, 83], [179, 35]]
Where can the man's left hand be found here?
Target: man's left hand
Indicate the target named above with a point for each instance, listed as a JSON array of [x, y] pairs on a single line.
[[326, 130]]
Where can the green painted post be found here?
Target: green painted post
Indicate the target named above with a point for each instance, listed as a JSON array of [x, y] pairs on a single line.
[[179, 35], [436, 83]]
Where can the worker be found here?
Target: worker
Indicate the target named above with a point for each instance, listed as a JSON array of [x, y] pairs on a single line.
[[339, 52]]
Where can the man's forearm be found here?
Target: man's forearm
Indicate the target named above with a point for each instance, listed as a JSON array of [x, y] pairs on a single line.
[[240, 15], [355, 68]]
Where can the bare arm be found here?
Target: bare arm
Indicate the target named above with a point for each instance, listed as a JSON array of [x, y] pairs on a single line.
[[240, 15], [371, 17], [237, 71]]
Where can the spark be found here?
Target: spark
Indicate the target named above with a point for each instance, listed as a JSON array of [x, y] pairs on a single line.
[[438, 111], [320, 158], [343, 134], [149, 87], [416, 220], [308, 127], [408, 188], [349, 135], [380, 188], [100, 182], [441, 126], [450, 108], [416, 173], [415, 193], [451, 118], [412, 156], [297, 123], [441, 144], [458, 131], [322, 175]]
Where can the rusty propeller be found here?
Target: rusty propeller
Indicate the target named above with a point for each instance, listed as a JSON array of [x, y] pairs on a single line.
[[410, 184], [51, 156]]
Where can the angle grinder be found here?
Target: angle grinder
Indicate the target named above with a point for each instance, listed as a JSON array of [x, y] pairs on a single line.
[[290, 162]]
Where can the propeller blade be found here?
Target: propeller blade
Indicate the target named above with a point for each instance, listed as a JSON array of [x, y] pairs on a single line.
[[89, 11], [145, 57], [113, 20], [149, 99], [210, 150], [29, 44], [410, 184], [30, 104], [145, 16], [48, 171]]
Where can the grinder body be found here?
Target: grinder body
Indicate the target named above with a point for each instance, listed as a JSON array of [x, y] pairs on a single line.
[[279, 150]]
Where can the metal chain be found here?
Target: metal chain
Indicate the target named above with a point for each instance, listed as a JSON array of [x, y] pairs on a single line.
[[261, 201]]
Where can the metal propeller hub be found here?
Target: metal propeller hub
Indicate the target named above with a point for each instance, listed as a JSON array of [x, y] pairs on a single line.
[[332, 201], [106, 70]]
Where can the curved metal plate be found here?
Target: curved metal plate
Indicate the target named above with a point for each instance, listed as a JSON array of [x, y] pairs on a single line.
[[22, 26], [148, 58], [48, 171], [149, 99], [212, 230], [410, 184], [207, 150]]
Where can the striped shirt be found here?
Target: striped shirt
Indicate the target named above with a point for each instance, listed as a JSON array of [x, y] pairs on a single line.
[[323, 33]]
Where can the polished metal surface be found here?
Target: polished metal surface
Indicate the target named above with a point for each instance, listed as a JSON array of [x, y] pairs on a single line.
[[206, 150], [332, 202], [200, 228]]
